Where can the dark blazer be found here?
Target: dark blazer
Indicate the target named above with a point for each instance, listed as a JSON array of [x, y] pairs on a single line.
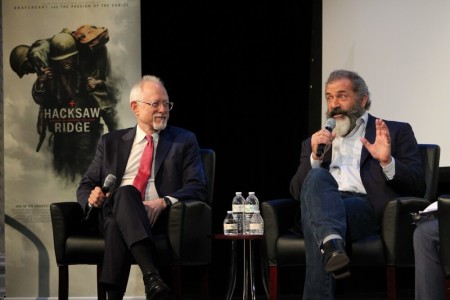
[[409, 177], [178, 166]]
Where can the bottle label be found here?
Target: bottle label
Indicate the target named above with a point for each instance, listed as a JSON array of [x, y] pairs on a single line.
[[256, 226], [230, 226], [237, 208], [249, 209]]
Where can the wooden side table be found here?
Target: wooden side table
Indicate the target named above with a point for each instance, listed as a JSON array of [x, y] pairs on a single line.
[[249, 262]]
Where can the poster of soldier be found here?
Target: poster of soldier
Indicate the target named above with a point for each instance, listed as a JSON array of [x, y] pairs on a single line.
[[67, 71]]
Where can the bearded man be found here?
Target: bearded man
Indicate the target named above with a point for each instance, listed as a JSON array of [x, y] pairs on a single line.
[[367, 162]]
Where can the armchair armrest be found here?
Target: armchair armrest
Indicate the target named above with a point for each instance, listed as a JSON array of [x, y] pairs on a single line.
[[444, 231], [66, 219], [190, 231], [397, 229], [279, 217]]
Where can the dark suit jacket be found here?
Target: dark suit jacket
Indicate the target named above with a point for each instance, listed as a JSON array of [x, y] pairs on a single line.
[[178, 166], [409, 175]]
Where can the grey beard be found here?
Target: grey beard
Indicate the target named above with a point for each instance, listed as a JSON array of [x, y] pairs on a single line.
[[345, 125], [162, 126], [342, 126]]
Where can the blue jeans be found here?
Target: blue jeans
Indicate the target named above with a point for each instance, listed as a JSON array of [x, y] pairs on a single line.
[[429, 273], [325, 211]]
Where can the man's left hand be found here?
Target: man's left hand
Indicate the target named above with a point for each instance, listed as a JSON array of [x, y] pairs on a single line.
[[381, 148], [154, 208]]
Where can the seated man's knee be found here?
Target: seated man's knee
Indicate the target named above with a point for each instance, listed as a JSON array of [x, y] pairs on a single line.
[[128, 190], [318, 175]]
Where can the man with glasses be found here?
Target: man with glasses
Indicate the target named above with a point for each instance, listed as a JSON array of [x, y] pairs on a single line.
[[131, 211]]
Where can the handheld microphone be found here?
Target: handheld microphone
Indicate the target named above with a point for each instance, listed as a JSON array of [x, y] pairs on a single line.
[[329, 125], [109, 183]]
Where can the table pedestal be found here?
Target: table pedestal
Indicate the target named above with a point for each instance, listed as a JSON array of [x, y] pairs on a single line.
[[248, 268]]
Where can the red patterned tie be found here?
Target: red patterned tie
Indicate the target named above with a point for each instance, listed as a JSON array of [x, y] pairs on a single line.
[[145, 167]]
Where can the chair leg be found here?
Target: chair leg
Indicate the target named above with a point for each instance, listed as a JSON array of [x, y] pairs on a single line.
[[176, 283], [101, 292], [273, 282], [63, 288], [447, 288], [204, 286], [391, 277]]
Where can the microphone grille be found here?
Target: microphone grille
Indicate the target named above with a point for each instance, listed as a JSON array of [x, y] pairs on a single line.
[[110, 181], [331, 123]]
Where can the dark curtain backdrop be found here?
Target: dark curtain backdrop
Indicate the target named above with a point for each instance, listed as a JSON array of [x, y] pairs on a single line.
[[243, 77]]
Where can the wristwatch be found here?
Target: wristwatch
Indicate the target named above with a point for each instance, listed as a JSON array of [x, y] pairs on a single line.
[[167, 201]]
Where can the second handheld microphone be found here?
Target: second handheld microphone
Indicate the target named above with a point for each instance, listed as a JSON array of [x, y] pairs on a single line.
[[110, 182]]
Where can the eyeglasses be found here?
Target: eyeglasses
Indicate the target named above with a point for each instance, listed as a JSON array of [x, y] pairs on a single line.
[[156, 104]]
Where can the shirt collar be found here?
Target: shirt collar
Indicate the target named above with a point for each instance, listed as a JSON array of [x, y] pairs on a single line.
[[363, 119], [140, 135], [361, 123]]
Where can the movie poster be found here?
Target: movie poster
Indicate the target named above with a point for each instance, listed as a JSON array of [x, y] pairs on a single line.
[[67, 70]]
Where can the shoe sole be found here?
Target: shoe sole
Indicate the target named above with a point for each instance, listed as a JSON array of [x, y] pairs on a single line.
[[337, 262], [341, 274]]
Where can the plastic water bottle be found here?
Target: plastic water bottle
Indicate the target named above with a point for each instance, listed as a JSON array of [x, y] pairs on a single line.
[[237, 206], [229, 224], [251, 205], [256, 224]]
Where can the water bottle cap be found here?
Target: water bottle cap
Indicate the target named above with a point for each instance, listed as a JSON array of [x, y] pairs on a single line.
[[238, 193], [251, 193], [229, 211]]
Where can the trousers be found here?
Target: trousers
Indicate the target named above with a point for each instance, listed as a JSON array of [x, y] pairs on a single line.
[[123, 221], [429, 273], [324, 211]]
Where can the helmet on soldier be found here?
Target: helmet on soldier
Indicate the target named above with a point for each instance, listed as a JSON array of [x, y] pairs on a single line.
[[62, 46], [18, 58]]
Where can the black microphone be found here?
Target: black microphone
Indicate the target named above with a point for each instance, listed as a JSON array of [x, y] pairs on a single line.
[[109, 183], [329, 125]]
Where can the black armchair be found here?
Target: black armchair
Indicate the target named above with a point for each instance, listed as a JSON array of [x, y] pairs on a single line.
[[444, 237], [391, 248], [187, 242]]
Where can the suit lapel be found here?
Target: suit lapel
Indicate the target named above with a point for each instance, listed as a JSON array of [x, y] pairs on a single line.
[[370, 136], [164, 143], [123, 151]]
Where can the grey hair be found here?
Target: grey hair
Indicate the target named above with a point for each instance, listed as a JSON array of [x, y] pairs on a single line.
[[359, 85], [135, 93]]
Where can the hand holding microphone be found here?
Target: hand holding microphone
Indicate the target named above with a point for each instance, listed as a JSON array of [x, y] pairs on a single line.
[[108, 185], [329, 125]]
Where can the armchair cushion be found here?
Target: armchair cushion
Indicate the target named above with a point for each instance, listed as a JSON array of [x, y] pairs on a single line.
[[279, 218], [397, 230], [189, 234], [74, 244]]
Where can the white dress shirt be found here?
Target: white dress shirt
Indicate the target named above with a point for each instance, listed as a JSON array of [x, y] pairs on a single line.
[[346, 159], [134, 159]]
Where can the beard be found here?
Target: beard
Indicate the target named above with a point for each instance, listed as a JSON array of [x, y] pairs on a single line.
[[346, 124], [342, 126], [160, 126]]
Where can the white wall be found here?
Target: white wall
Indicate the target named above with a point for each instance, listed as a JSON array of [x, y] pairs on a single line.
[[402, 49]]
